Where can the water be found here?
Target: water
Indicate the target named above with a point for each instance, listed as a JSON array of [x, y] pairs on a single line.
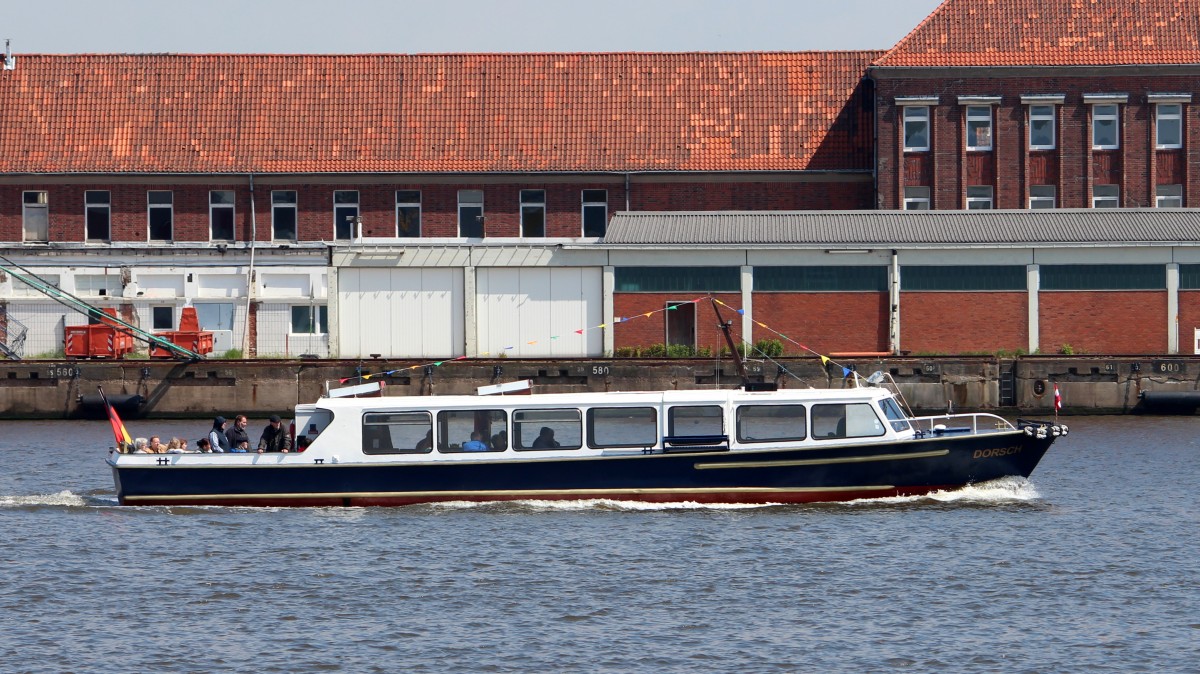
[[1090, 566]]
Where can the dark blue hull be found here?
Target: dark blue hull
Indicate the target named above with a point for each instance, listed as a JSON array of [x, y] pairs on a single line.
[[774, 476]]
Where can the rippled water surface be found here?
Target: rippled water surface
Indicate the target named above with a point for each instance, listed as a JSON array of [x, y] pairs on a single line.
[[1092, 565]]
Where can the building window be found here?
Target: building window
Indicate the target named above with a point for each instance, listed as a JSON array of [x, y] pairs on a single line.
[[160, 203], [1105, 133], [162, 318], [1106, 196], [310, 320], [345, 215], [98, 285], [916, 198], [533, 213], [1041, 127], [97, 215], [1043, 196], [470, 214], [1169, 196], [1168, 127], [979, 198], [821, 278], [595, 212], [979, 127], [36, 216], [408, 213], [916, 128], [963, 277], [21, 289], [283, 215], [676, 279], [220, 215]]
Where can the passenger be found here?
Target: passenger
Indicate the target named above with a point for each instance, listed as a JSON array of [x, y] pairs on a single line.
[[426, 443], [274, 437], [500, 441], [242, 447], [203, 446], [217, 440], [237, 433], [139, 446], [156, 446], [301, 443], [475, 444], [545, 439]]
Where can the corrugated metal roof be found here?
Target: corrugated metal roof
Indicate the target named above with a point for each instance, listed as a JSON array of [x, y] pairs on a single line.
[[885, 228]]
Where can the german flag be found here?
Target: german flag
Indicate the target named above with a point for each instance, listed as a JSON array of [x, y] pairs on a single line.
[[124, 442]]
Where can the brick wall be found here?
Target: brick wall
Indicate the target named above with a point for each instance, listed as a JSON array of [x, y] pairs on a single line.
[[1110, 322], [963, 322], [1131, 167], [824, 322], [699, 196], [645, 331]]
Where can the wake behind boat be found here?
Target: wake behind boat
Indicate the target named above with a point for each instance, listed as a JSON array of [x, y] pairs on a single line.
[[709, 446]]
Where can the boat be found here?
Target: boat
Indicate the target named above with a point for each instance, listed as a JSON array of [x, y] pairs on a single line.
[[707, 446]]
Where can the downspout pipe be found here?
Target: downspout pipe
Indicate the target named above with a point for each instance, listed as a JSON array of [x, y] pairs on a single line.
[[250, 272]]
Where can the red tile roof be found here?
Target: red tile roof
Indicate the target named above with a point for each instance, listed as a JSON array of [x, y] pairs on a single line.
[[167, 113], [1053, 33]]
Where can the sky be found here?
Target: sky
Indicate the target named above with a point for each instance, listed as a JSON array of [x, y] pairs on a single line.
[[455, 26]]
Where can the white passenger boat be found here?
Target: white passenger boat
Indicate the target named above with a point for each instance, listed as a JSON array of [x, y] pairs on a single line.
[[711, 446]]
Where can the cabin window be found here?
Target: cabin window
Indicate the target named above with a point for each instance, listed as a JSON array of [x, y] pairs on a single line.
[[856, 420], [696, 420], [397, 433], [770, 423], [547, 429], [895, 415], [472, 431], [622, 427], [308, 428]]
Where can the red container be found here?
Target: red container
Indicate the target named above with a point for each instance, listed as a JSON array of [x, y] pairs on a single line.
[[99, 340], [189, 336]]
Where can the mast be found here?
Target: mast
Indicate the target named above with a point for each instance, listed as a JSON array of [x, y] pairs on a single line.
[[733, 352]]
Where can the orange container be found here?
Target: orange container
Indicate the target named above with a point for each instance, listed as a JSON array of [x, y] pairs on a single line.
[[188, 336], [99, 340]]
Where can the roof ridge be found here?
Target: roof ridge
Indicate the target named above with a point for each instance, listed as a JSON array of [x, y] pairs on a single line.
[[904, 40]]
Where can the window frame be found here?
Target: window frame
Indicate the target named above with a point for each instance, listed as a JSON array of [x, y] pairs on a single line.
[[519, 421], [915, 120], [215, 206], [380, 418], [927, 199], [97, 207], [155, 311], [1160, 117], [650, 426], [1115, 118], [532, 206], [1115, 198], [1160, 195], [978, 198], [408, 203], [974, 122], [153, 209], [318, 318], [41, 203], [1052, 118], [339, 212], [592, 205], [278, 205], [744, 439], [480, 219], [1052, 198]]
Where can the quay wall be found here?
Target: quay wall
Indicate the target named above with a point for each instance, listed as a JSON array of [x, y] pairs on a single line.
[[59, 389]]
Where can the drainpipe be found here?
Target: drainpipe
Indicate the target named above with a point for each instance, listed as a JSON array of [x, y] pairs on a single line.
[[250, 273], [627, 191], [894, 304]]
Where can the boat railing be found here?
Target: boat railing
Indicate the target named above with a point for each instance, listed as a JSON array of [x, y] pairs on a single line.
[[972, 423]]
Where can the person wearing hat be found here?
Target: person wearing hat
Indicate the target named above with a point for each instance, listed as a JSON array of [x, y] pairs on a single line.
[[217, 437], [274, 437]]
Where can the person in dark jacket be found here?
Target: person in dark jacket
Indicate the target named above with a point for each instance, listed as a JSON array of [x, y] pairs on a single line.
[[237, 432], [274, 437], [218, 441]]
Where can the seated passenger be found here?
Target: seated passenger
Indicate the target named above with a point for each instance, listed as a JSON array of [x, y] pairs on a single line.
[[475, 444], [243, 447], [301, 443], [426, 443], [139, 446], [500, 441], [545, 439], [156, 446], [203, 446]]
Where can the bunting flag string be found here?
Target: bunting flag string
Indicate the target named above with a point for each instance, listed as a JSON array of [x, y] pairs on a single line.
[[825, 360]]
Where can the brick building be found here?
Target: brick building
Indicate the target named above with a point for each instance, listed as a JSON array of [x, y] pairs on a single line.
[[293, 199]]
